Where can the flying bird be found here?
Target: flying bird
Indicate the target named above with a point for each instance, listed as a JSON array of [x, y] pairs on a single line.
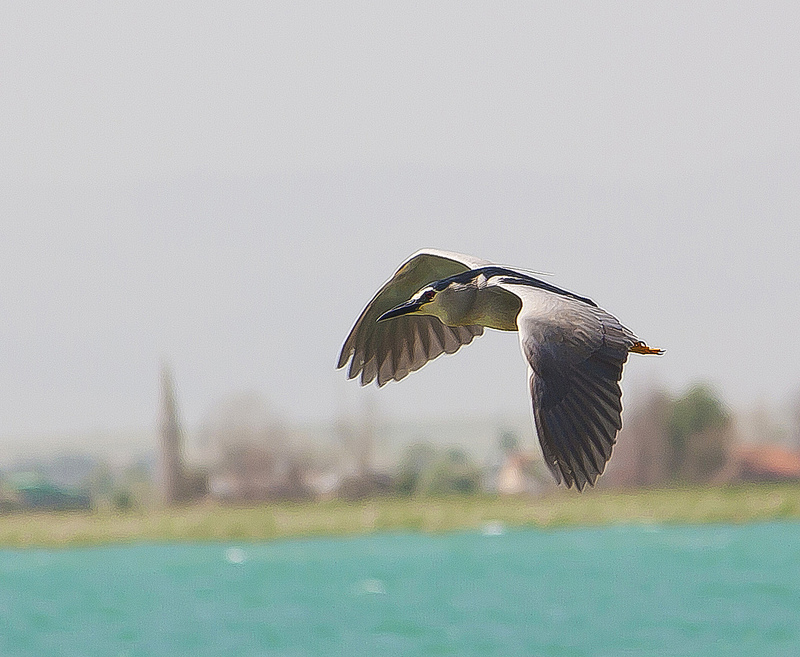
[[438, 301]]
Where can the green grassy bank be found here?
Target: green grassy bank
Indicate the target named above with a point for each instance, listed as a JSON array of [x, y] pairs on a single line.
[[207, 522]]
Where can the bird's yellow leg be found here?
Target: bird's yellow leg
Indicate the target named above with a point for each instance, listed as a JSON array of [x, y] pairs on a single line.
[[641, 348]]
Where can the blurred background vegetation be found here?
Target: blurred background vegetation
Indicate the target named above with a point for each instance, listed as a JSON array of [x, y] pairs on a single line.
[[243, 456]]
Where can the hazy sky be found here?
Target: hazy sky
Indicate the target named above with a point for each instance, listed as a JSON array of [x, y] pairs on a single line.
[[225, 185]]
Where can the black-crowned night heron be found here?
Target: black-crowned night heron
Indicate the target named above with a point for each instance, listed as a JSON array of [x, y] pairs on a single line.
[[438, 301]]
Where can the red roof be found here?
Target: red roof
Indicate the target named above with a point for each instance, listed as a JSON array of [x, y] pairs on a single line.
[[768, 460]]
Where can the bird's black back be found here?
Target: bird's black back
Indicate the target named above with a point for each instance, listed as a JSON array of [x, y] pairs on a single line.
[[507, 276]]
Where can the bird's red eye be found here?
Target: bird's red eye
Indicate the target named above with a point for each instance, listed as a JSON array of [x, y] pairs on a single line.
[[428, 295]]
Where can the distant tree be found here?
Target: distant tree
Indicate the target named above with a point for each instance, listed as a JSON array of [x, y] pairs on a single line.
[[699, 434], [255, 458], [357, 435], [241, 419], [136, 480], [122, 500], [654, 443], [415, 462], [425, 470], [508, 442], [452, 473], [101, 481], [642, 455]]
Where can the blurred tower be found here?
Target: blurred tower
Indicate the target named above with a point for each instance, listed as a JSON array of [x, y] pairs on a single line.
[[171, 469]]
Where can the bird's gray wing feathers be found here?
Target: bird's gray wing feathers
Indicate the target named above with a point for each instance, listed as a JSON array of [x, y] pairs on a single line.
[[389, 350], [575, 352]]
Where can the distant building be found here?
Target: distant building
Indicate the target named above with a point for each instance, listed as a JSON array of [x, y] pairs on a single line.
[[364, 485], [33, 492], [50, 497], [763, 463], [517, 475], [249, 472]]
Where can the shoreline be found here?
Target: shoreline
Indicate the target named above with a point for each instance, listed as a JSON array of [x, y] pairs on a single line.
[[213, 522]]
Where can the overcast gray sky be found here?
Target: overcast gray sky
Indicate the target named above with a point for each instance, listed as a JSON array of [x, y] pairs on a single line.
[[225, 185]]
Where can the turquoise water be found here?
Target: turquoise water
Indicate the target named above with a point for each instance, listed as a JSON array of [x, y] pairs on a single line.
[[711, 590]]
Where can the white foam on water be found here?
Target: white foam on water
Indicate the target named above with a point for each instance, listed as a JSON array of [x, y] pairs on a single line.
[[370, 586], [493, 528], [235, 555]]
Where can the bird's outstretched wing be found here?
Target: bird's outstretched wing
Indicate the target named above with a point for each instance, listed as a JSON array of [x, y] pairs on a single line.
[[391, 349], [575, 352]]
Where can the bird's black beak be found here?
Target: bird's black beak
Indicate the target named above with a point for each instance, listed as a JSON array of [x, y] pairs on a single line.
[[402, 309]]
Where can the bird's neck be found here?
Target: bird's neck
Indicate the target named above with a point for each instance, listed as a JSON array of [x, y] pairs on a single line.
[[492, 307]]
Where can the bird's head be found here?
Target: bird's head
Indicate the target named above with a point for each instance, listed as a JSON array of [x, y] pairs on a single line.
[[447, 299], [423, 302]]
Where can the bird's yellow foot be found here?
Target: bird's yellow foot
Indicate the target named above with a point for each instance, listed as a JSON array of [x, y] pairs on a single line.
[[642, 348]]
